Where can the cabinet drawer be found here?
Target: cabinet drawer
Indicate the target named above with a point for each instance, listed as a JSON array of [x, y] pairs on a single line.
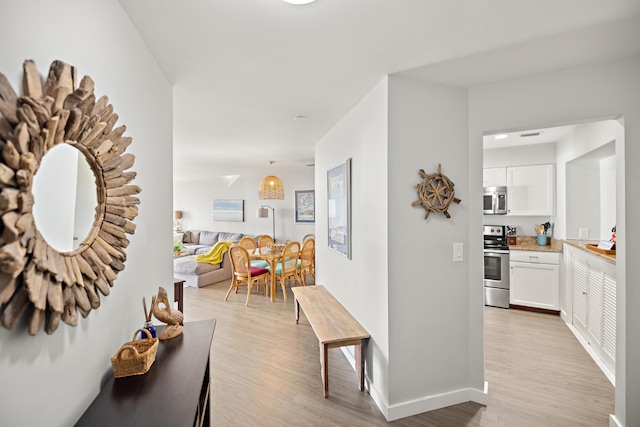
[[535, 257]]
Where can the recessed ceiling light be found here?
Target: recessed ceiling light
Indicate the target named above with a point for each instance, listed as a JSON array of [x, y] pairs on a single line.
[[501, 136], [298, 1]]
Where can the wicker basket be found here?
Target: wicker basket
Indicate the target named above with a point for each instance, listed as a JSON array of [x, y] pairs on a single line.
[[136, 356]]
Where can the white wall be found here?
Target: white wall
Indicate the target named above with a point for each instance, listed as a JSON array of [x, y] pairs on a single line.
[[86, 201], [401, 283], [195, 199], [429, 317], [54, 192], [598, 91], [583, 200], [578, 153], [607, 196], [360, 284], [536, 154], [50, 380]]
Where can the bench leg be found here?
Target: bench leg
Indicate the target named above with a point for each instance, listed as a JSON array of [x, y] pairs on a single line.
[[324, 367], [296, 307]]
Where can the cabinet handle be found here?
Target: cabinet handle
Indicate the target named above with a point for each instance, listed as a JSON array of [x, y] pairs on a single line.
[[584, 293]]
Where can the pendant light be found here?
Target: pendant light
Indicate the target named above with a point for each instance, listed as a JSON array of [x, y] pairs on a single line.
[[271, 188]]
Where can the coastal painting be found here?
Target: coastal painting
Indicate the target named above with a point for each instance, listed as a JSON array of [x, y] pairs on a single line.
[[305, 206], [228, 210], [339, 208]]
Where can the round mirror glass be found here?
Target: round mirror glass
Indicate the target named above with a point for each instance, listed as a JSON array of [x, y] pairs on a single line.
[[65, 198]]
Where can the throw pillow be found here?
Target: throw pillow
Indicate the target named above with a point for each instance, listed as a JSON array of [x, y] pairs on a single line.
[[231, 237], [208, 238]]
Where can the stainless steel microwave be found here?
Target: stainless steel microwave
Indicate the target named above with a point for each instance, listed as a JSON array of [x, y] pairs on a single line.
[[494, 201]]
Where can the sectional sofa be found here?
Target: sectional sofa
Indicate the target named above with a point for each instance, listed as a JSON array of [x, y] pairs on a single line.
[[196, 242]]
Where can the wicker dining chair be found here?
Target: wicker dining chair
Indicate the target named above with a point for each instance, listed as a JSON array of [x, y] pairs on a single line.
[[250, 245], [288, 266], [306, 264], [265, 240], [244, 274]]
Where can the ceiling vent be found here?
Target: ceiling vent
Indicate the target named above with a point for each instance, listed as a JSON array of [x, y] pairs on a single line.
[[527, 135]]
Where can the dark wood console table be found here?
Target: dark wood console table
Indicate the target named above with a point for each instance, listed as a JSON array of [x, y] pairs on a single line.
[[178, 294], [174, 392]]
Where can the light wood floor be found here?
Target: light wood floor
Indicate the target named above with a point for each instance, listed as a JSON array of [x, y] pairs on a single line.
[[266, 371]]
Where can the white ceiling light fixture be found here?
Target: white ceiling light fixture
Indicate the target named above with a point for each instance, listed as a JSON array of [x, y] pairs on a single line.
[[501, 136], [298, 1]]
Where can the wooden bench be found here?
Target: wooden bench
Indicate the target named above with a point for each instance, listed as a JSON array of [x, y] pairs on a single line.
[[334, 327]]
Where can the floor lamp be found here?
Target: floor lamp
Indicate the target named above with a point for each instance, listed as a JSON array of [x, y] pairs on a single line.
[[263, 212]]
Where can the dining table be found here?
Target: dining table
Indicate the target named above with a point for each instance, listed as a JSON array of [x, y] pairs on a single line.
[[272, 255]]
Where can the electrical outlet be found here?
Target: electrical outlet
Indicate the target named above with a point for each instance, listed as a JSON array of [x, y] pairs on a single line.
[[583, 233], [458, 252]]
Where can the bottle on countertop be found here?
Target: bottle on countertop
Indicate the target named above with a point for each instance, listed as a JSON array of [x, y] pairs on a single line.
[[149, 327]]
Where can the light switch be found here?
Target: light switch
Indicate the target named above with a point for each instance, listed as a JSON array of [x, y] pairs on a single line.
[[458, 252], [583, 233]]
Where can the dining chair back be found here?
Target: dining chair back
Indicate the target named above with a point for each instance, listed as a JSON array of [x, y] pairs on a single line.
[[244, 274], [250, 245], [265, 240], [306, 265], [288, 266]]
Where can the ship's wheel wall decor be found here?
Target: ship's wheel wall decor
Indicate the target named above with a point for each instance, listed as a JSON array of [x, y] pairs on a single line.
[[37, 282], [436, 192]]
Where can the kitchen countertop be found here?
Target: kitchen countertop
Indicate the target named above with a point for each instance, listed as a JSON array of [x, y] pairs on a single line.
[[581, 244], [530, 243]]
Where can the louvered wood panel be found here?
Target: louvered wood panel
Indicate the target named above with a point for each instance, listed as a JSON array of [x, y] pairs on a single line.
[[595, 296], [609, 317], [579, 281]]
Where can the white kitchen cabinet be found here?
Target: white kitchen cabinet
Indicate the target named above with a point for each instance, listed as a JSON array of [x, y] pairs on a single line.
[[494, 177], [592, 282], [531, 190], [535, 279]]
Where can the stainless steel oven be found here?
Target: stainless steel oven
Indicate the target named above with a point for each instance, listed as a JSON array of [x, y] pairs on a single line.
[[496, 266]]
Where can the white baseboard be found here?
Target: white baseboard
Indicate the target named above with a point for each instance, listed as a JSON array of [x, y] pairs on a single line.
[[613, 421], [424, 404], [379, 400], [437, 401]]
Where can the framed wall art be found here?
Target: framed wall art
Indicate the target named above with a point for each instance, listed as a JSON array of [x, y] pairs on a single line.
[[339, 208], [306, 206], [228, 210]]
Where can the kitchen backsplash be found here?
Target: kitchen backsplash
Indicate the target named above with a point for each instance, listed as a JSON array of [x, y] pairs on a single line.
[[524, 225]]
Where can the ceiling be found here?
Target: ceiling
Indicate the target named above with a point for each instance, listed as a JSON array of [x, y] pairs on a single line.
[[242, 70], [527, 137]]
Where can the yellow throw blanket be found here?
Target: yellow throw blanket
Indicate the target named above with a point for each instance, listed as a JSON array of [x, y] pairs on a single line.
[[214, 256]]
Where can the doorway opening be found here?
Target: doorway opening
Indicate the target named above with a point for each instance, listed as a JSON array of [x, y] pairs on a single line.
[[586, 197]]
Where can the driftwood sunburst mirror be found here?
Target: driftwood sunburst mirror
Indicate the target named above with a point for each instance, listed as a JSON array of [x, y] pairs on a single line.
[[38, 281]]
